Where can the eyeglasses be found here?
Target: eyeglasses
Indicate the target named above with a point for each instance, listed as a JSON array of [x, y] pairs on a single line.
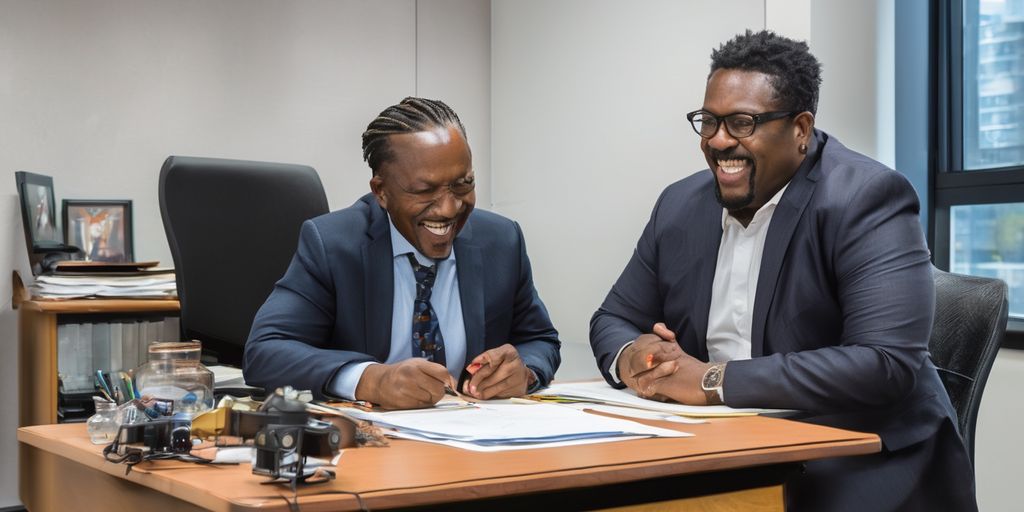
[[739, 125], [460, 188]]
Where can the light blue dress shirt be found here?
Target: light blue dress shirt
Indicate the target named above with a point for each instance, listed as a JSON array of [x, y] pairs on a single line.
[[447, 306]]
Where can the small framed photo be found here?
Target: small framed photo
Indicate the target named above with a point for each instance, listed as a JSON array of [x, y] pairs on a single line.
[[38, 211], [101, 229]]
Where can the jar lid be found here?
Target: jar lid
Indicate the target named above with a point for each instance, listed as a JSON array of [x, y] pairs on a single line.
[[175, 349]]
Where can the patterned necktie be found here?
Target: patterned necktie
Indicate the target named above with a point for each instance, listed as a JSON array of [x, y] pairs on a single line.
[[427, 341]]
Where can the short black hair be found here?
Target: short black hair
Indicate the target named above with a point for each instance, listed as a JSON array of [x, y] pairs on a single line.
[[410, 116], [794, 73]]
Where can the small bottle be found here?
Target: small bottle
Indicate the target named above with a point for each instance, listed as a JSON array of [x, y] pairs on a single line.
[[103, 425]]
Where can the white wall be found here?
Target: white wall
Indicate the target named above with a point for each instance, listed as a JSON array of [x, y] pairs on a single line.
[[97, 94], [588, 109], [999, 454]]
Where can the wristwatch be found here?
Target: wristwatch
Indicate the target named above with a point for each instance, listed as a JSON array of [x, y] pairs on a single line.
[[712, 384]]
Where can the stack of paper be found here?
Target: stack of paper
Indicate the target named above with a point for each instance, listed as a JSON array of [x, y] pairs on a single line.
[[599, 392], [228, 377], [154, 285], [508, 426]]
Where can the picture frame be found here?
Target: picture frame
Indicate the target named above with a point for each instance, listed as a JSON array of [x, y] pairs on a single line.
[[102, 229], [38, 212]]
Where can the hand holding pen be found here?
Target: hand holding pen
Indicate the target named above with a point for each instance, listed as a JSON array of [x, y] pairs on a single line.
[[650, 357], [410, 384]]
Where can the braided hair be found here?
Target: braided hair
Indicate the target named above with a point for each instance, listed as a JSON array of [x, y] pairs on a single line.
[[410, 116], [793, 72]]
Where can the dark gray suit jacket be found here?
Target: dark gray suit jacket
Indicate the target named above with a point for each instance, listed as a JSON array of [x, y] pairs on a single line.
[[334, 304], [842, 311]]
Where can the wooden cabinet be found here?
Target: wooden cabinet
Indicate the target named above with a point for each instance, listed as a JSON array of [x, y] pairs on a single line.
[[37, 342]]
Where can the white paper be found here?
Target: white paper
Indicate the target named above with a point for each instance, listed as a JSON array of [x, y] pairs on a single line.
[[601, 392], [491, 424], [160, 286], [502, 448]]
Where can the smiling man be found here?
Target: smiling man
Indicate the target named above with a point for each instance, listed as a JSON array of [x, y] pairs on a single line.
[[408, 291], [791, 274]]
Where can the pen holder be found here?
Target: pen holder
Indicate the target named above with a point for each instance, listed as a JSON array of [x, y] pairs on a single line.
[[174, 373], [102, 426]]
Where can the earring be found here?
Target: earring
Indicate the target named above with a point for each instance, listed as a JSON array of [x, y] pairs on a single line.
[[803, 149]]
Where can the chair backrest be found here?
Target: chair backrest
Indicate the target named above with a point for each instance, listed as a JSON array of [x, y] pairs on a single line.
[[232, 227], [970, 321]]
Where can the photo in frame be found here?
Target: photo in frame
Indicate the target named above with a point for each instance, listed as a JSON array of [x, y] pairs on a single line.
[[38, 212], [102, 229]]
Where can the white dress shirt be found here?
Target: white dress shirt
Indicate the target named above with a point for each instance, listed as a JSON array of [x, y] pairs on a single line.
[[735, 285], [732, 294]]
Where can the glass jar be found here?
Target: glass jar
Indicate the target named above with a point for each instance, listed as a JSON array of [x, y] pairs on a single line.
[[174, 373], [103, 425]]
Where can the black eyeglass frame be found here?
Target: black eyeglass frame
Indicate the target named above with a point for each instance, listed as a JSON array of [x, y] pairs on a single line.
[[757, 119]]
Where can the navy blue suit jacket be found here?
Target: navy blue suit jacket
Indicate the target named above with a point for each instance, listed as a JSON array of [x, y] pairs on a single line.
[[842, 311], [334, 304]]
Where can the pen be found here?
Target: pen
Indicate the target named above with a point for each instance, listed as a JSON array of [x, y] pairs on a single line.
[[129, 387], [102, 383], [106, 395], [362, 405], [449, 391]]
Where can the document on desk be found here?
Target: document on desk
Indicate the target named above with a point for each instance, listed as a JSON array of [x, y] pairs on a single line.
[[153, 286], [599, 392], [508, 426]]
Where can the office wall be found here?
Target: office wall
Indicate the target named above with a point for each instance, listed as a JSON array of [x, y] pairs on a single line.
[[999, 454], [588, 109], [97, 94]]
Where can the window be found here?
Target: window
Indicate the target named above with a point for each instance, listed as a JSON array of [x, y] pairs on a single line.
[[993, 83], [988, 240], [978, 194]]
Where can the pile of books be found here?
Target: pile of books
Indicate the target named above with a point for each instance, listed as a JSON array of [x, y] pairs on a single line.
[[149, 283]]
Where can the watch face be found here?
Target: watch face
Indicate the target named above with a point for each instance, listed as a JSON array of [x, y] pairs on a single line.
[[713, 377]]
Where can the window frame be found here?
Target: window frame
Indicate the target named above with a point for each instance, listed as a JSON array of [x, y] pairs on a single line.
[[951, 184]]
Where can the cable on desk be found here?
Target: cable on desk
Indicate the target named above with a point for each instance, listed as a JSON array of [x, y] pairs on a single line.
[[293, 504]]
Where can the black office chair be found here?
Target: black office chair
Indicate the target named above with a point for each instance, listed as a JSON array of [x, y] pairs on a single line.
[[232, 227], [970, 321]]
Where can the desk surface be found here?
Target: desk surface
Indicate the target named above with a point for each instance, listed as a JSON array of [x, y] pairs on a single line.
[[411, 473]]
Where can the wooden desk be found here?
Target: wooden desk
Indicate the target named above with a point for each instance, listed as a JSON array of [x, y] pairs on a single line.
[[37, 340], [730, 464]]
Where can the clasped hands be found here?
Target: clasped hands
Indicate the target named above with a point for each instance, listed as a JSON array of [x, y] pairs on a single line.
[[417, 383], [657, 368]]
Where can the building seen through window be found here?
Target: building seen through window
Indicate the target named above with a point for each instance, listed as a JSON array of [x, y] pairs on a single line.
[[983, 186], [994, 84], [988, 240]]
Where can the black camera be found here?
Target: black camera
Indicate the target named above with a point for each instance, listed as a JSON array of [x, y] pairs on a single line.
[[283, 445], [281, 450], [167, 435]]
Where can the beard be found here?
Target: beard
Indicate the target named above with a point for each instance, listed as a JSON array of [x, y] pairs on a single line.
[[737, 203]]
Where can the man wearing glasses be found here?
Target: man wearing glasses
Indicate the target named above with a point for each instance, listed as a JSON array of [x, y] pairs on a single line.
[[395, 298], [792, 274]]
